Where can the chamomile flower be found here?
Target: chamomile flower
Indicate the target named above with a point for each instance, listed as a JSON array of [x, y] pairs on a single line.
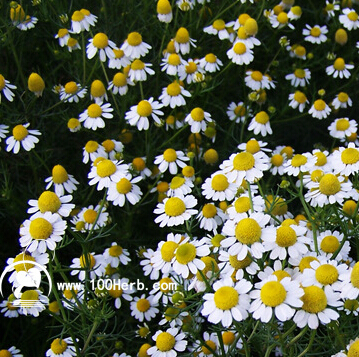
[[198, 119], [315, 34], [93, 116], [331, 7], [63, 347], [298, 100], [80, 21], [125, 189], [260, 124], [172, 95], [316, 307], [31, 302], [100, 43], [144, 308], [339, 69], [72, 92], [210, 217], [72, 44], [173, 211], [280, 20], [179, 186], [241, 207], [168, 343], [230, 301], [218, 187], [323, 160], [342, 100], [116, 255], [349, 19], [138, 114], [134, 47], [299, 163], [120, 60], [350, 285], [295, 13], [237, 112], [89, 215], [183, 42], [98, 92], [42, 231], [190, 71], [139, 165], [164, 11], [299, 78], [280, 297], [209, 345], [345, 161], [22, 135], [256, 80], [172, 63], [320, 109], [113, 148], [342, 127], [91, 262], [8, 308], [118, 294], [139, 70], [63, 35], [210, 63], [5, 88], [329, 243], [118, 85], [89, 18], [218, 27], [277, 161], [171, 160], [240, 54], [62, 181], [28, 23], [3, 131]]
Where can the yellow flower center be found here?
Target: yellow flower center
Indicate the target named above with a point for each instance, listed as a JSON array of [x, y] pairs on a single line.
[[29, 297], [299, 73], [280, 274], [167, 250], [242, 204], [138, 164], [144, 108], [17, 13], [72, 42], [248, 231], [329, 185], [239, 264], [182, 35], [239, 110], [219, 25], [2, 82], [314, 299], [326, 274], [143, 331], [35, 83], [239, 48], [339, 64], [137, 65], [350, 156], [300, 97], [251, 27], [277, 206], [286, 236], [354, 277], [354, 349], [174, 207], [220, 182], [58, 346], [353, 16], [87, 262], [299, 160], [143, 305], [24, 266], [210, 58], [62, 33], [97, 88], [124, 186], [305, 263], [94, 111], [210, 266], [243, 161], [71, 87], [19, 132], [85, 12], [134, 39], [106, 168], [319, 105], [209, 210], [77, 16], [257, 76], [173, 89], [282, 18], [115, 250], [174, 59], [115, 292], [343, 97], [143, 350], [315, 31], [73, 123], [321, 158], [300, 51], [165, 285], [262, 117], [100, 40], [228, 337], [164, 7], [119, 80], [109, 145], [40, 228], [165, 341], [329, 244], [351, 305], [185, 253], [273, 293], [277, 160], [349, 207], [191, 67], [49, 202], [163, 187], [118, 53], [177, 182], [170, 155], [209, 347], [80, 225], [316, 175], [226, 297], [197, 114], [216, 240], [90, 216], [252, 146]]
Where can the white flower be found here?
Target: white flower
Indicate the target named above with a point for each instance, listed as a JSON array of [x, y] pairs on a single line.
[[198, 119], [172, 95], [94, 114], [218, 187], [87, 217], [315, 34], [116, 255], [100, 43], [210, 217], [240, 54], [349, 19], [345, 161], [300, 77], [237, 112], [210, 63], [134, 47], [139, 70], [72, 92], [299, 163], [21, 135], [342, 100], [339, 69], [124, 189], [218, 27], [5, 88], [61, 348], [298, 100], [255, 80], [92, 263], [319, 109], [183, 42], [260, 124], [172, 64], [171, 159], [329, 242], [31, 302], [119, 61], [62, 181], [144, 308]]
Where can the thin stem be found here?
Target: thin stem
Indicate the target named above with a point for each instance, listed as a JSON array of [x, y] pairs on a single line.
[[312, 335]]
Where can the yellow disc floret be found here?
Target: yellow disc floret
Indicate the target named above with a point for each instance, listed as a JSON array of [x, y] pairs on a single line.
[[329, 185], [226, 297], [314, 299], [174, 207], [106, 168], [124, 186], [286, 236], [49, 202], [19, 132], [273, 293], [100, 40], [326, 274], [248, 231], [243, 161], [58, 346], [40, 228], [185, 253], [165, 341]]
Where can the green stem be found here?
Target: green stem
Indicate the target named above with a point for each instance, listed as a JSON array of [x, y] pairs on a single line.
[[312, 336], [93, 329]]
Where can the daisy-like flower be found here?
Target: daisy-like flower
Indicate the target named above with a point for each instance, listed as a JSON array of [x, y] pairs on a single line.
[[32, 302], [5, 88], [339, 69], [210, 217], [21, 135], [116, 255], [119, 61], [280, 20], [315, 34], [350, 286], [98, 92], [256, 81], [51, 202], [241, 207], [210, 63], [209, 346], [345, 161], [42, 231], [218, 27], [86, 218], [299, 78], [28, 23], [139, 70], [139, 165], [316, 307], [171, 159], [81, 21], [91, 262], [331, 7], [323, 160], [295, 13], [124, 189], [172, 63], [198, 119], [172, 95], [246, 236], [237, 112], [349, 19], [298, 100], [138, 114], [105, 172], [164, 11], [329, 243], [3, 131], [93, 116], [8, 308], [277, 161], [320, 109], [342, 100], [72, 92], [144, 308], [229, 302], [100, 43], [63, 35], [72, 44], [190, 71], [118, 294], [168, 343], [63, 347], [62, 181], [147, 265], [74, 125], [185, 256], [113, 148], [134, 47], [179, 186], [218, 187], [278, 296], [240, 54], [342, 127], [183, 42], [118, 84], [286, 240], [299, 163], [260, 124], [173, 211]]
